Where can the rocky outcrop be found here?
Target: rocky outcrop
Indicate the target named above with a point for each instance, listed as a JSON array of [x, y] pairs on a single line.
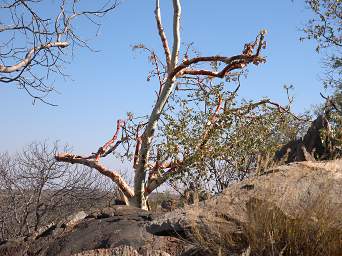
[[121, 251], [289, 192], [15, 247], [308, 148], [286, 193], [98, 232]]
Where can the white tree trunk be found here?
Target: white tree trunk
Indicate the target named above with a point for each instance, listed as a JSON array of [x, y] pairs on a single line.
[[140, 173]]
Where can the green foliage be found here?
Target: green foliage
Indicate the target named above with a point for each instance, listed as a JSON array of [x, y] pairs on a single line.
[[325, 28], [244, 134], [332, 137]]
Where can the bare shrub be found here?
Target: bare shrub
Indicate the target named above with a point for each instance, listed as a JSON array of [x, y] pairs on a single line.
[[36, 190]]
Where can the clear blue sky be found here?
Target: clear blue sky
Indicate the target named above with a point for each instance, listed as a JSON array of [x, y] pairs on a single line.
[[111, 82]]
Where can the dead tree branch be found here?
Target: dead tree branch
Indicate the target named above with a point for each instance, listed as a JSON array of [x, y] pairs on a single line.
[[32, 43]]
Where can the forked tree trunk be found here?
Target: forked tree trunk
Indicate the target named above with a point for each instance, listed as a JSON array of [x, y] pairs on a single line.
[[137, 196], [139, 199]]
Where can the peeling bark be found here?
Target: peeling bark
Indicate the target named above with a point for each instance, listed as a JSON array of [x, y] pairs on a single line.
[[142, 187], [113, 175]]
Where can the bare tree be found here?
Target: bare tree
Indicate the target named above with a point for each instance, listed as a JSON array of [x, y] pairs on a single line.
[[34, 34], [36, 190], [150, 169]]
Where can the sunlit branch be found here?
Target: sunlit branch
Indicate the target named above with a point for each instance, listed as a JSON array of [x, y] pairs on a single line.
[[163, 36], [113, 175], [29, 56]]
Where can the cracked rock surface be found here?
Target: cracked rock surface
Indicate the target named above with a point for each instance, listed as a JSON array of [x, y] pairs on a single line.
[[106, 228]]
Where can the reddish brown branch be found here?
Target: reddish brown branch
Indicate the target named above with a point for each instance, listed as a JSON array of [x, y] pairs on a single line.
[[154, 173], [235, 62], [179, 166], [137, 146], [209, 73], [136, 153], [102, 150], [113, 175], [153, 183], [158, 73], [114, 147], [176, 166]]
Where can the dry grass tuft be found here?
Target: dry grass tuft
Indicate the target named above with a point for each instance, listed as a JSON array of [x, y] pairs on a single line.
[[314, 233], [269, 232]]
